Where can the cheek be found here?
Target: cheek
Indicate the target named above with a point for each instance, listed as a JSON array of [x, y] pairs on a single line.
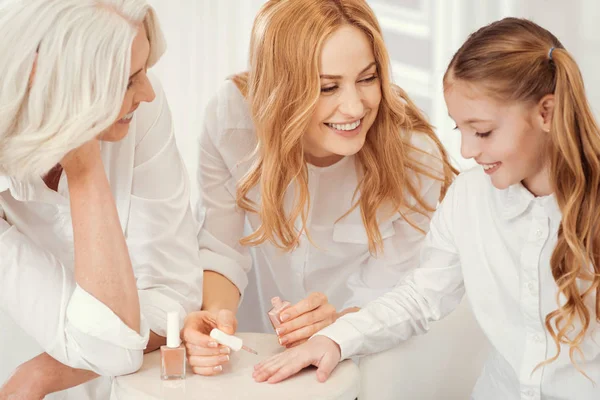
[[126, 106], [373, 97], [324, 109]]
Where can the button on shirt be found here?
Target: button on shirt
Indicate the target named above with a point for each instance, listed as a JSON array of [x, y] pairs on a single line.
[[339, 265], [42, 309], [495, 245]]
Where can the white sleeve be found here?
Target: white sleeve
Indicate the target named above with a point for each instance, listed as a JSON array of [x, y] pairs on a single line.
[[71, 325], [379, 275], [427, 294], [161, 231], [223, 221]]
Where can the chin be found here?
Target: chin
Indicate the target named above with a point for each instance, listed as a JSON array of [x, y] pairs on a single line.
[[349, 149], [501, 184], [115, 133]]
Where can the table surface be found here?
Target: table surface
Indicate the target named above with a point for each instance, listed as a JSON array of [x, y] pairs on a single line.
[[235, 382]]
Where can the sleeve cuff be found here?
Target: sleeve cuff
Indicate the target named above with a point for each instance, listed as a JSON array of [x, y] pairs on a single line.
[[92, 317], [227, 268], [155, 306], [345, 335]]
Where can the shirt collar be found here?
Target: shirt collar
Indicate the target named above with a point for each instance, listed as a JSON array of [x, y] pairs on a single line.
[[517, 199]]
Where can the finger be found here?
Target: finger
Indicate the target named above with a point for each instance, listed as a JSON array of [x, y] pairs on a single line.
[[193, 350], [213, 361], [199, 320], [302, 333], [270, 367], [208, 371], [322, 313], [226, 321], [296, 344], [289, 369], [326, 366], [313, 301], [195, 337], [267, 362]]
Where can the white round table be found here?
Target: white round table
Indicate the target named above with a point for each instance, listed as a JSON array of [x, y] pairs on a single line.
[[236, 382]]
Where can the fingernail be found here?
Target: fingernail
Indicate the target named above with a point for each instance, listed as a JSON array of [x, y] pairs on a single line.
[[224, 350], [213, 344], [218, 368], [224, 358], [283, 340], [284, 317], [279, 331]]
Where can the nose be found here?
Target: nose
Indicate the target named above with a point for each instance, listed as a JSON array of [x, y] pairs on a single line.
[[146, 92], [469, 146], [351, 103]]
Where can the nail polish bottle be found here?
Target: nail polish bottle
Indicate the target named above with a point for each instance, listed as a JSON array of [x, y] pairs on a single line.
[[278, 307], [172, 356]]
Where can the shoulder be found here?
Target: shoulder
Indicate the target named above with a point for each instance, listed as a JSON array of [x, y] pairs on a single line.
[[228, 109]]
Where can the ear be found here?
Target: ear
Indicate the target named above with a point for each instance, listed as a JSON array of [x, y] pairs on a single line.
[[33, 70], [545, 111]]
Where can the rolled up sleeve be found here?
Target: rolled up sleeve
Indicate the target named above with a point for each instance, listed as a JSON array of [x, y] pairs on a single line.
[[72, 326]]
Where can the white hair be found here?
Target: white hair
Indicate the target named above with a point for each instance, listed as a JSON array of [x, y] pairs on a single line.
[[83, 53]]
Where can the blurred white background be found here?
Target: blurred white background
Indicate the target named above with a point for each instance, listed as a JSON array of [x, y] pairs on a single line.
[[208, 41]]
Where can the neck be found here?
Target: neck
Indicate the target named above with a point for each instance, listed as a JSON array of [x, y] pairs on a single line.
[[322, 161], [540, 184]]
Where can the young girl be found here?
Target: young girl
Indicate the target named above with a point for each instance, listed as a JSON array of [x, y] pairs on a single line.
[[332, 166], [519, 234], [97, 240]]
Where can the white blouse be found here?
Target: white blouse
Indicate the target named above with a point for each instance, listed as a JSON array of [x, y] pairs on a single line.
[[341, 266], [495, 245], [42, 309]]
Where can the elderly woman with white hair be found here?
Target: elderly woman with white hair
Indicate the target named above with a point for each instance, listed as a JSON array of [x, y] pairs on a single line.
[[96, 233]]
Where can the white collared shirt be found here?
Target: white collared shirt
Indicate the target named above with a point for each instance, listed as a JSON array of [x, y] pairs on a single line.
[[340, 264], [495, 245], [42, 309]]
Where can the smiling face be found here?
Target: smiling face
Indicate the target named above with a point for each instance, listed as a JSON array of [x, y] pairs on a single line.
[[139, 88], [349, 101], [506, 139]]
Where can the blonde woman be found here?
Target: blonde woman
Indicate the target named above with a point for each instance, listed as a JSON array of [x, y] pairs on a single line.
[[518, 234], [331, 165], [94, 203]]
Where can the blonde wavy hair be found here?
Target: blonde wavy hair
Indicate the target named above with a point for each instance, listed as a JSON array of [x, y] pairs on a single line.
[[283, 87], [81, 50], [516, 60]]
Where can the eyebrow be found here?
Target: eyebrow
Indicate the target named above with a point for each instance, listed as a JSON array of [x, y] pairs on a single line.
[[472, 120], [340, 77]]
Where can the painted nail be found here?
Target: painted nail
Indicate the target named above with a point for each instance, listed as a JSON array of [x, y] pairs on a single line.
[[224, 350], [284, 317], [213, 344], [224, 358], [283, 340], [279, 331], [218, 368]]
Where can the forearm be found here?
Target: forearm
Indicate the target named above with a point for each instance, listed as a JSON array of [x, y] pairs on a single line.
[[155, 342], [219, 293], [43, 375], [102, 263]]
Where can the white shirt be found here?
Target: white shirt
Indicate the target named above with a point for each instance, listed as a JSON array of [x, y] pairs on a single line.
[[495, 245], [341, 266], [41, 307]]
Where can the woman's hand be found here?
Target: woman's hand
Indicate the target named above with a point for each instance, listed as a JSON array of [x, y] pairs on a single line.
[[301, 321], [205, 355], [319, 351]]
